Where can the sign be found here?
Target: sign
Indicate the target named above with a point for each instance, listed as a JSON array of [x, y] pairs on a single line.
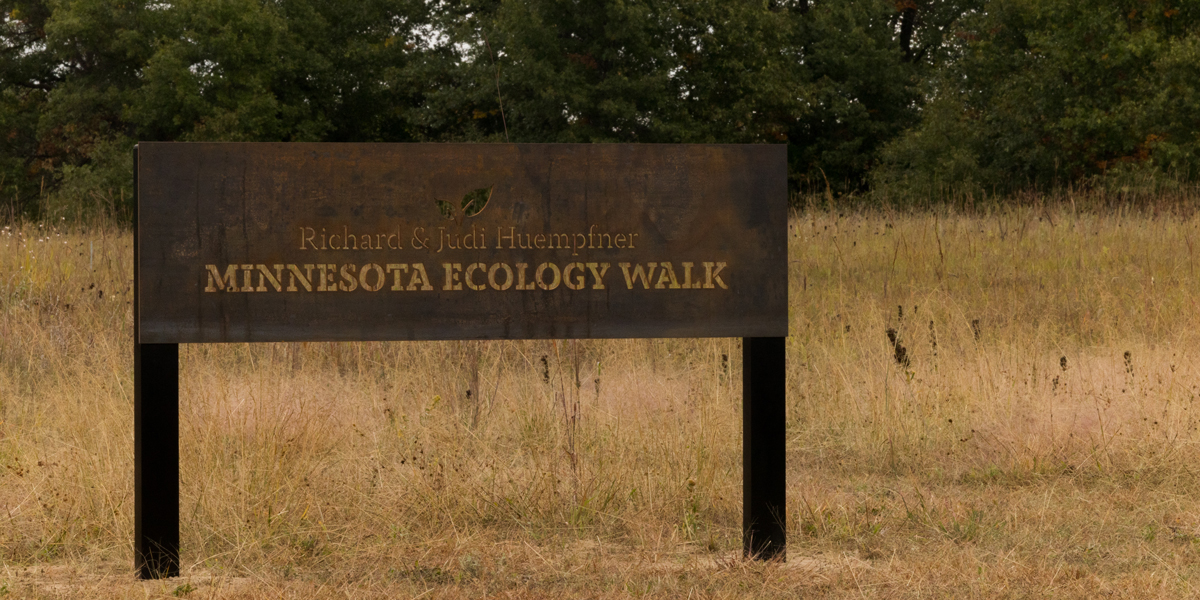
[[326, 242], [358, 242]]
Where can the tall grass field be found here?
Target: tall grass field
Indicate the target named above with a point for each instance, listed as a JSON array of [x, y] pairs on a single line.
[[982, 404]]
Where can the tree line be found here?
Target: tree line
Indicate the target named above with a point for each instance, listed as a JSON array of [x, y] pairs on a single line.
[[917, 95]]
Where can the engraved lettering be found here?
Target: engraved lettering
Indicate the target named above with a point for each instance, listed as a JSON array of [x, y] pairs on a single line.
[[638, 274], [308, 239], [710, 276], [576, 282], [717, 276], [453, 272], [419, 278], [666, 277], [380, 278], [349, 282], [541, 271], [471, 269], [397, 269], [274, 280], [599, 276], [478, 276], [305, 278], [381, 240], [521, 277], [573, 241], [508, 276], [445, 243], [328, 278], [218, 282], [476, 240], [247, 270]]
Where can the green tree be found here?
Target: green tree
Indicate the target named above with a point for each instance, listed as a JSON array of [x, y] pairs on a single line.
[[1048, 92], [861, 89], [65, 72], [834, 80], [549, 71], [81, 80], [297, 70]]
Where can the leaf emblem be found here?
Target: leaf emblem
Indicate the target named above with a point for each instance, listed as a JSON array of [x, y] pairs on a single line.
[[473, 203]]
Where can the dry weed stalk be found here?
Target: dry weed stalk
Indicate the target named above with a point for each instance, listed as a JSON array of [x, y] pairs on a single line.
[[1038, 433]]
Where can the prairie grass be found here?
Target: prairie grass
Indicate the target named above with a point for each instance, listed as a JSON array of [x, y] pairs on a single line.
[[1028, 429]]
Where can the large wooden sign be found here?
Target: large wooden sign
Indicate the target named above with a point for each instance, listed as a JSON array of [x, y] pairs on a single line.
[[326, 242], [278, 242]]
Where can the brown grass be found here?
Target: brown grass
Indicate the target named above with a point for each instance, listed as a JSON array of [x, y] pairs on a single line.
[[976, 467]]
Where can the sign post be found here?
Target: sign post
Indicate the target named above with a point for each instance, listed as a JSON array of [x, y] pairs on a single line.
[[363, 242], [764, 448], [156, 460]]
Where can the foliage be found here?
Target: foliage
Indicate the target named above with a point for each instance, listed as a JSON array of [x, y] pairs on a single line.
[[862, 92], [912, 96], [834, 80], [299, 70], [66, 70], [82, 80], [1051, 92]]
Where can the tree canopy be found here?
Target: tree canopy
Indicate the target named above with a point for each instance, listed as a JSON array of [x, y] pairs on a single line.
[[907, 92], [1042, 93]]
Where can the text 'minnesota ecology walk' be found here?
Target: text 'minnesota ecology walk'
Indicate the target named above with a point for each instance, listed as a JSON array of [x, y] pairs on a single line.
[[288, 242]]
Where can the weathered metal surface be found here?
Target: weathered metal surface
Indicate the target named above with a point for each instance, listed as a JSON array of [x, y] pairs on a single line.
[[764, 448], [323, 242], [156, 460]]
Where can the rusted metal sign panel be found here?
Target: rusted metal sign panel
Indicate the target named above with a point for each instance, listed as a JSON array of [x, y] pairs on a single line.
[[322, 242]]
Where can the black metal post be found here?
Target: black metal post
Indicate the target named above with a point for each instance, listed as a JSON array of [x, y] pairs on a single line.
[[155, 441], [156, 460], [764, 461]]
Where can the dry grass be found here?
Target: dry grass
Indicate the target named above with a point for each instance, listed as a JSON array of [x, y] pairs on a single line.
[[971, 463]]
